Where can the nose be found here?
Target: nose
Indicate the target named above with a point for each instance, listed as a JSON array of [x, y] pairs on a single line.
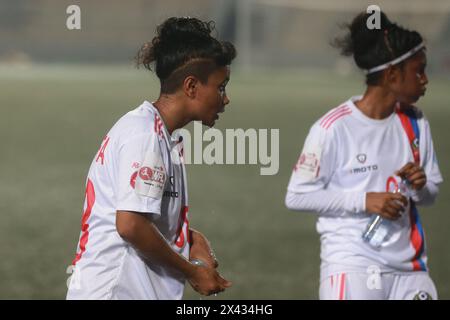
[[422, 78], [226, 100], [425, 79]]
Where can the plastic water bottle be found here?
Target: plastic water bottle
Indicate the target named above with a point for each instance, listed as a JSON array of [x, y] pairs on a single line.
[[378, 229]]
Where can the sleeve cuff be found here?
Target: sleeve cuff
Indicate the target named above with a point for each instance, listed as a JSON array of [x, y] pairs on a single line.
[[156, 210], [355, 202]]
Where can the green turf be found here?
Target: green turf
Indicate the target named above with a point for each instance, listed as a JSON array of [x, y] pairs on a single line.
[[54, 118]]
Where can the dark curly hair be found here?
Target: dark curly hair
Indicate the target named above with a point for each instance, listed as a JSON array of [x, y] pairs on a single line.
[[183, 47], [373, 47]]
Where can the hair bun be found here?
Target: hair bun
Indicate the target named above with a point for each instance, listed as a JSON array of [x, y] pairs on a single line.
[[371, 47], [179, 41], [364, 39], [184, 29]]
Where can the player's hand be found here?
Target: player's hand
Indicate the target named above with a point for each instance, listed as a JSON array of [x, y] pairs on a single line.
[[414, 174], [201, 249], [207, 281], [387, 204]]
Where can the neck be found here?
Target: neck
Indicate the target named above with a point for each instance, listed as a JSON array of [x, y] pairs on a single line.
[[377, 103], [172, 111]]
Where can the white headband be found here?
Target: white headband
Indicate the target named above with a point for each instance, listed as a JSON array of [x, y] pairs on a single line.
[[397, 60]]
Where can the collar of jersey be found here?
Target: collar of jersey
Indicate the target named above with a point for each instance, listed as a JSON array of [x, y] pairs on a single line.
[[361, 116], [171, 140]]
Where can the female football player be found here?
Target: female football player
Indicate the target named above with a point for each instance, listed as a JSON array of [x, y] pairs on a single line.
[[372, 156], [135, 240]]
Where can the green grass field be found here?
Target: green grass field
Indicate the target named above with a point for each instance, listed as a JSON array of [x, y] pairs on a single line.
[[54, 118]]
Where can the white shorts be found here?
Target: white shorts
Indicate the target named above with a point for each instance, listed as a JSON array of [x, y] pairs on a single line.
[[378, 286]]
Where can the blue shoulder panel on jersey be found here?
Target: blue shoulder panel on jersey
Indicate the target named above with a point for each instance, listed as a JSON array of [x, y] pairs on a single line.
[[413, 119]]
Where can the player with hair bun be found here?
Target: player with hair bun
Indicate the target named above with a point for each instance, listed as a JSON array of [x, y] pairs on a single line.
[[352, 166], [135, 240]]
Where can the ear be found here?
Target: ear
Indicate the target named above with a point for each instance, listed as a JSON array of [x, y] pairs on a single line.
[[392, 74], [190, 85]]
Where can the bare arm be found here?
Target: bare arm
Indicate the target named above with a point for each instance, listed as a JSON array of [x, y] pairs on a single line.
[[201, 249], [143, 235]]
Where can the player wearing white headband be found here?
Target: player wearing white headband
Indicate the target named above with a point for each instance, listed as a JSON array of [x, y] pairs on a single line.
[[351, 162], [396, 60]]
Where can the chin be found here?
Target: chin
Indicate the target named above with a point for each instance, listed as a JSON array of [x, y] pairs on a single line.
[[209, 123], [410, 101], [415, 99]]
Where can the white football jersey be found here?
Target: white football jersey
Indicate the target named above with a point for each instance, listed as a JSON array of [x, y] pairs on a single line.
[[139, 167], [346, 151]]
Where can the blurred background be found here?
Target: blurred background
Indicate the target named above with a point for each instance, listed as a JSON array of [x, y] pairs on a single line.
[[61, 90]]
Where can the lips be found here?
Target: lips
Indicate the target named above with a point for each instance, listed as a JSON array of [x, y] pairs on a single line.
[[220, 111]]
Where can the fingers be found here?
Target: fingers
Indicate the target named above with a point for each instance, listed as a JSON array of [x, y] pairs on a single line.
[[210, 282], [419, 174], [405, 169], [411, 172], [418, 184], [225, 283], [414, 174], [220, 286], [394, 206], [390, 213], [399, 197], [418, 179]]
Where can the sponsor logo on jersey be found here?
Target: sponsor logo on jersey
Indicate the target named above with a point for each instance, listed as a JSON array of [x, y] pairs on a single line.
[[135, 165], [146, 173], [364, 169], [308, 161], [361, 158], [149, 174]]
